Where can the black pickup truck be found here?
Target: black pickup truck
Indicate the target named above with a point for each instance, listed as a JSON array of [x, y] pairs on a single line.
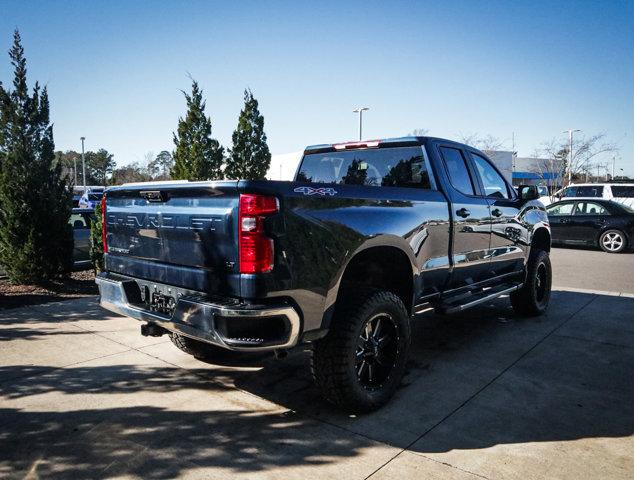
[[368, 234]]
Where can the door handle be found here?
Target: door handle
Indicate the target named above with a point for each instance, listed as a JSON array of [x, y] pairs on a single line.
[[497, 212], [463, 212]]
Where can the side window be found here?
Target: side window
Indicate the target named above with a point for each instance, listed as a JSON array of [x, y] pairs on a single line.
[[458, 171], [591, 191], [78, 221], [590, 208], [560, 209], [494, 184], [622, 191]]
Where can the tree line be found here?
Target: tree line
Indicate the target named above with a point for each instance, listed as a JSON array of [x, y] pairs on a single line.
[[196, 156], [36, 241]]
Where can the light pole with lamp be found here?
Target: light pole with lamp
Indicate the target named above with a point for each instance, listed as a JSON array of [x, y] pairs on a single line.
[[570, 132], [360, 111], [83, 164]]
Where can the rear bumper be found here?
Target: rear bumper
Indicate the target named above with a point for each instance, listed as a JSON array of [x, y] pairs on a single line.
[[222, 322]]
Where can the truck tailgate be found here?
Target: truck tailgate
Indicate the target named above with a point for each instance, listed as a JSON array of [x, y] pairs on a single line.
[[181, 234]]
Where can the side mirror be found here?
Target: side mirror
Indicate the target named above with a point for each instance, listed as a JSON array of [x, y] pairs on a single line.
[[528, 192]]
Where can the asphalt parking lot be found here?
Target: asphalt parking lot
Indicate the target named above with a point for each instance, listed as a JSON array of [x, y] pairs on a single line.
[[487, 395]]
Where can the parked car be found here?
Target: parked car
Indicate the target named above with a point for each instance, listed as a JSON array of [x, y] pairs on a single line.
[[81, 220], [619, 192], [90, 199], [367, 234], [592, 222], [79, 190]]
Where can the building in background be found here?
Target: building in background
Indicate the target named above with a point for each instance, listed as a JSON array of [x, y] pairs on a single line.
[[537, 171], [504, 161]]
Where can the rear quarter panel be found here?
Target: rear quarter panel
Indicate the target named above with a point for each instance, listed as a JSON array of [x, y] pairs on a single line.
[[319, 233]]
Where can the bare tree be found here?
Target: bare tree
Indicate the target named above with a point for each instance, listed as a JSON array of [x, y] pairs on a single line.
[[487, 144], [586, 154], [550, 167], [418, 132]]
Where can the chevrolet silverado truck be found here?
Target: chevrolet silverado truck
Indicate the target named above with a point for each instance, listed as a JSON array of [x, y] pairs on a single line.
[[368, 234]]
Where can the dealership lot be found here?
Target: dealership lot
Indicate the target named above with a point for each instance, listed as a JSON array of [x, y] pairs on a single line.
[[487, 395]]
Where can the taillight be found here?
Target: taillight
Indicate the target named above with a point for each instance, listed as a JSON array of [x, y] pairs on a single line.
[[256, 249], [103, 224]]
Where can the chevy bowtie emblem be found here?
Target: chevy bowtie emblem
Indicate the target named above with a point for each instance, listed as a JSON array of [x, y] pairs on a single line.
[[316, 191]]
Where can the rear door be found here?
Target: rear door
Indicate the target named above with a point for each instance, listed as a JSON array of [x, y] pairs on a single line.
[[586, 222], [471, 224], [178, 234]]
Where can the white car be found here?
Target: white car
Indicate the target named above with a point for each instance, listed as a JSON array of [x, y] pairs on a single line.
[[619, 192]]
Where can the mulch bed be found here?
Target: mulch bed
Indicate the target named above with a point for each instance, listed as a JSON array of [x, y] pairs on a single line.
[[78, 284]]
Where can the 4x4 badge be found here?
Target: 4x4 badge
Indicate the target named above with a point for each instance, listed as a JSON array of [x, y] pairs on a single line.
[[316, 191]]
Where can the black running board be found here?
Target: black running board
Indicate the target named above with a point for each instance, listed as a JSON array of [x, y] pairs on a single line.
[[467, 301]]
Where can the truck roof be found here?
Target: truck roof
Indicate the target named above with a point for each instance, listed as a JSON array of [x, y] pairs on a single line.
[[375, 143]]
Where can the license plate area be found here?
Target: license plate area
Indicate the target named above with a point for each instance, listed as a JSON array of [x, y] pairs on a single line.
[[162, 303]]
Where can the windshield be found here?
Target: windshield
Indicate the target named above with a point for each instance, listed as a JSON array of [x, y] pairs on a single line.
[[95, 196], [387, 167], [543, 191]]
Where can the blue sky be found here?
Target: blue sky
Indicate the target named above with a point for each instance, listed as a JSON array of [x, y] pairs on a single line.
[[115, 69]]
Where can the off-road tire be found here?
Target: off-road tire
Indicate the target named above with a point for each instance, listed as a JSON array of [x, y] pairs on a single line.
[[199, 350], [532, 299], [334, 357], [613, 246]]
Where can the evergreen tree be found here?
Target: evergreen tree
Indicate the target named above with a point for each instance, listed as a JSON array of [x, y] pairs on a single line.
[[250, 157], [36, 241], [197, 156], [96, 240], [160, 167]]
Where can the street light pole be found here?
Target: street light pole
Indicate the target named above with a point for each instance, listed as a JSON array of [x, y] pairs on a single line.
[[360, 111], [83, 163], [613, 165], [570, 132]]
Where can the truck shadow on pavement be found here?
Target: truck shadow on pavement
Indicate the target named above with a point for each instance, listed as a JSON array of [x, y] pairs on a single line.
[[477, 380]]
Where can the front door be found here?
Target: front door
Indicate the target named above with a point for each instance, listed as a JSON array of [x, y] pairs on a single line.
[[470, 220], [507, 231], [559, 216]]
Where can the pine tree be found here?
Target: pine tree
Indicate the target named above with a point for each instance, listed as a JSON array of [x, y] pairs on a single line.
[[36, 241], [197, 156], [96, 240], [250, 157]]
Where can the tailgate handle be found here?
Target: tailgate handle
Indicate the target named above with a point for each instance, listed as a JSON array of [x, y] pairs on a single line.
[[154, 195]]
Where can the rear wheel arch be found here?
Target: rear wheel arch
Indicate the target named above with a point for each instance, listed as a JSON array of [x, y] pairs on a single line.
[[385, 268]]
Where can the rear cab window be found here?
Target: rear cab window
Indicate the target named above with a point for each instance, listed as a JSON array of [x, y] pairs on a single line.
[[375, 167]]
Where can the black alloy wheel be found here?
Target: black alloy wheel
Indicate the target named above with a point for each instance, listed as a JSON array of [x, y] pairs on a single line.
[[377, 350]]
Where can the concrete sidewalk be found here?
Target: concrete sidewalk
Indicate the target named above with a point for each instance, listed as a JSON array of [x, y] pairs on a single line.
[[487, 395]]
